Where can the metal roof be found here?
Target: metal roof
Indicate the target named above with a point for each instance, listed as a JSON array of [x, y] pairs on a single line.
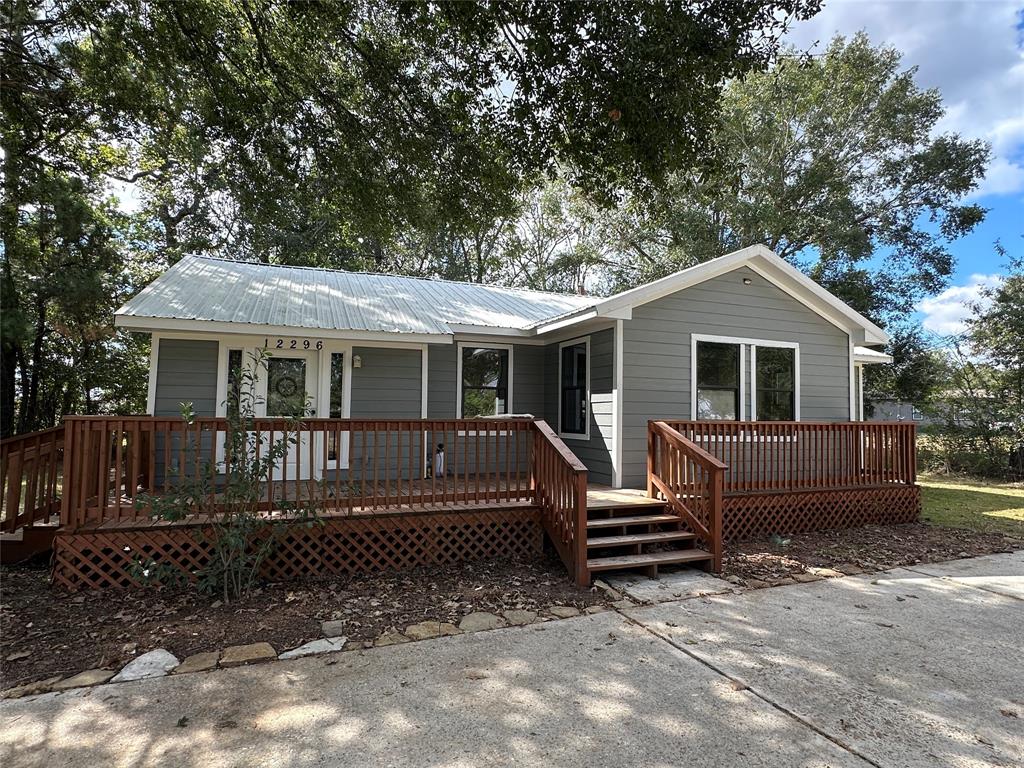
[[203, 288]]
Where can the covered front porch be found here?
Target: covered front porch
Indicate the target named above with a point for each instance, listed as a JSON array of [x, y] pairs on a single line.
[[396, 494]]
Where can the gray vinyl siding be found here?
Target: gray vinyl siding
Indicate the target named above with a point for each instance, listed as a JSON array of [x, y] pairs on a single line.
[[442, 381], [595, 453], [656, 354], [186, 372], [443, 384], [388, 384], [528, 380]]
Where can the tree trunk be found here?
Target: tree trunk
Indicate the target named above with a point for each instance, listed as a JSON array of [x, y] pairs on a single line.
[[30, 399], [9, 207]]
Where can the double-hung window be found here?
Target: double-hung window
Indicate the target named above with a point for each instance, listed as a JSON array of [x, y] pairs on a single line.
[[722, 377], [718, 380], [574, 393], [775, 374], [484, 386]]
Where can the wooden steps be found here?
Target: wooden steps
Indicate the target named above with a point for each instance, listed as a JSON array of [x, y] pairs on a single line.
[[620, 536], [616, 522], [657, 537], [648, 559]]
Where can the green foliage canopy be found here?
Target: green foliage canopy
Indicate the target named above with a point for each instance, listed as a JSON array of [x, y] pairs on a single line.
[[315, 133], [833, 162]]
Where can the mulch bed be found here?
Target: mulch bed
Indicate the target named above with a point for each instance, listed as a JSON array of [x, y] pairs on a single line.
[[778, 559], [66, 633], [45, 632]]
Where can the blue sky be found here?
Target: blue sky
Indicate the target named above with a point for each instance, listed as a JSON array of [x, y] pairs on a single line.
[[973, 52]]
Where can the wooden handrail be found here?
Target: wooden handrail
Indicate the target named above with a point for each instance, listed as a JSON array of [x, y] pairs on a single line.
[[351, 466], [30, 477], [766, 456], [560, 490], [691, 481]]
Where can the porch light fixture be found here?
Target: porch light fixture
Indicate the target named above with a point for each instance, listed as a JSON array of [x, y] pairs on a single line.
[[357, 361]]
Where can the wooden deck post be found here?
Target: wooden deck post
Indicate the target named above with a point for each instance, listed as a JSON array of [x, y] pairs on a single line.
[[652, 447], [580, 530], [717, 484], [67, 474]]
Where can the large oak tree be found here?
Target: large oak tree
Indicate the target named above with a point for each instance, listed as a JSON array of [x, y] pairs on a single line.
[[319, 132]]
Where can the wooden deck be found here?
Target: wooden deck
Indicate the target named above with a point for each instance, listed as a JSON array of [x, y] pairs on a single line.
[[505, 485]]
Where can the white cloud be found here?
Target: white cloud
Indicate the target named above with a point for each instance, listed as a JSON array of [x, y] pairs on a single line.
[[945, 314], [1001, 178], [970, 51]]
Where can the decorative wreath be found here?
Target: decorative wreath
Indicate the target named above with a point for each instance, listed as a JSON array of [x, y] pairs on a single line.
[[286, 386]]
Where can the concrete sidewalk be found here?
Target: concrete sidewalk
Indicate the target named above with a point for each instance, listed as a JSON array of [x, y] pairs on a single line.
[[915, 667]]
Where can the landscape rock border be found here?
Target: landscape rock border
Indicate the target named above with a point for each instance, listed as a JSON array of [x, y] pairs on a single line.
[[158, 661]]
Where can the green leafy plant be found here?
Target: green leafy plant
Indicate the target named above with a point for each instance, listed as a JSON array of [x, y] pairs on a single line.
[[229, 491]]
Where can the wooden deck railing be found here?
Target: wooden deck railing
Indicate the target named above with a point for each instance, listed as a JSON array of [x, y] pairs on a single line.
[[385, 464], [560, 484], [765, 456], [691, 481], [31, 469]]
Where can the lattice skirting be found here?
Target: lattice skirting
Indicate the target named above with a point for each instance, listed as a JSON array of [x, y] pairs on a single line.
[[101, 559], [746, 515]]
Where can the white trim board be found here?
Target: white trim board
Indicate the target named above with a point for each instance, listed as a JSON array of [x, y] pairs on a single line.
[[585, 435], [617, 414], [154, 367], [148, 324], [761, 260]]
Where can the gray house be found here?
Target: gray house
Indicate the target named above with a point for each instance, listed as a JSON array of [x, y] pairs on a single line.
[[745, 337], [443, 422]]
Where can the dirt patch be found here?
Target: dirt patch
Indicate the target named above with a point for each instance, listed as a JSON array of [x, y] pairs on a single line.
[[768, 560], [67, 633]]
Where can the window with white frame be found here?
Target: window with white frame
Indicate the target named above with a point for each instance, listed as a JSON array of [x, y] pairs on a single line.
[[775, 374], [718, 380], [722, 377], [574, 392], [484, 383]]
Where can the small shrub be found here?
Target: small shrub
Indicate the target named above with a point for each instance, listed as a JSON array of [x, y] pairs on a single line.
[[230, 494]]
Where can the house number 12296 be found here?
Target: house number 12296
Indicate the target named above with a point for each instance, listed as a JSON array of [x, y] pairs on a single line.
[[293, 344]]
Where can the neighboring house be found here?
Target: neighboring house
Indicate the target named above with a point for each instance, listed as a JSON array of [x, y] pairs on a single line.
[[743, 337], [889, 409]]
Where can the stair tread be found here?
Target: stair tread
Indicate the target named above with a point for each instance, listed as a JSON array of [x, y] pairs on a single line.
[[610, 522], [638, 504], [648, 558], [640, 538]]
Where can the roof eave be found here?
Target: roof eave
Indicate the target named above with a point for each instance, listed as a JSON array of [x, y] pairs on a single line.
[[219, 328], [762, 260]]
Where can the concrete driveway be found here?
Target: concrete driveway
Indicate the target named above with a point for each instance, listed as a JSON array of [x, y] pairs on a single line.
[[907, 668]]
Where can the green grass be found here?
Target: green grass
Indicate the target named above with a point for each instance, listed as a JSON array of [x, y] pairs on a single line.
[[979, 505]]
